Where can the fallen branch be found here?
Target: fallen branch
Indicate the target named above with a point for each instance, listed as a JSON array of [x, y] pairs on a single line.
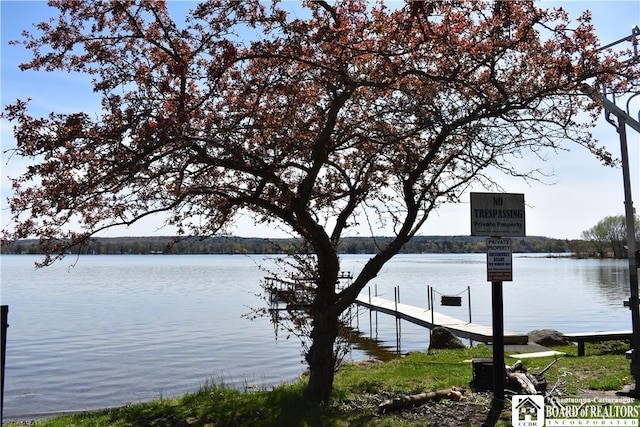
[[453, 393], [548, 366]]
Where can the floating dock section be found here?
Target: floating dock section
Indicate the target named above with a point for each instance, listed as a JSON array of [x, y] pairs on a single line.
[[429, 318]]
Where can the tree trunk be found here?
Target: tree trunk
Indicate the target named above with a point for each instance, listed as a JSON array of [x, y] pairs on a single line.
[[321, 356]]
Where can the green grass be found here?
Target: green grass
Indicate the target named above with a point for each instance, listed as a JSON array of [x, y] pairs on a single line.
[[415, 373], [357, 391], [604, 368]]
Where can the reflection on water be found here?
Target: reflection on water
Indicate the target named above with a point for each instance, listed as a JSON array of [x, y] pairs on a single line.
[[613, 282], [119, 329], [372, 347]]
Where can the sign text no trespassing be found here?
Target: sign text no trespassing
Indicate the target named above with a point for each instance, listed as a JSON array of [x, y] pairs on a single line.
[[497, 215]]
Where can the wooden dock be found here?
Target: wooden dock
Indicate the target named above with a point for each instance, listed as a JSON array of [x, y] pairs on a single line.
[[425, 318]]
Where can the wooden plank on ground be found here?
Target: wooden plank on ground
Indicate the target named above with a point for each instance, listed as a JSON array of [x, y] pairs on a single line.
[[536, 354]]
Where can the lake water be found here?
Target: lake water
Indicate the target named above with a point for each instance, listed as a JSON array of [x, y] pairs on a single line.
[[103, 331]]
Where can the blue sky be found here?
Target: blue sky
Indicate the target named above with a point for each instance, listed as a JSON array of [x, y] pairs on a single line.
[[580, 193]]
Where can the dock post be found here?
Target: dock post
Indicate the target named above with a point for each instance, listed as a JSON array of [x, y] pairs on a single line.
[[370, 316], [433, 324], [399, 327], [357, 318], [396, 296], [376, 314], [469, 296], [430, 308]]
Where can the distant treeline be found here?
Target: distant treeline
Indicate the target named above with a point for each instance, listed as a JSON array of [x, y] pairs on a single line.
[[241, 245]]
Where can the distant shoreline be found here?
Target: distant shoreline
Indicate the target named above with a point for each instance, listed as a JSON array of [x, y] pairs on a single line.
[[248, 245]]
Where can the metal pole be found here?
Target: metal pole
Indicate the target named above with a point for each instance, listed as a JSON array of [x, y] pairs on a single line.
[[376, 313], [399, 321], [498, 340], [631, 255], [395, 300], [469, 294], [5, 325], [433, 324], [624, 119], [430, 308], [634, 32], [356, 315], [370, 319], [470, 321], [428, 299]]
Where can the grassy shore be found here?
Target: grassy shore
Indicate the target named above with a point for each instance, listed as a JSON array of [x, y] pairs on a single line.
[[358, 390]]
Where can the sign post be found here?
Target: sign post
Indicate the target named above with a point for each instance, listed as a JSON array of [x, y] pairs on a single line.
[[498, 340], [4, 324], [497, 216]]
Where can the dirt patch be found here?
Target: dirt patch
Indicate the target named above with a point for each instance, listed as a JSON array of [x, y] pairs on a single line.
[[597, 394], [474, 410]]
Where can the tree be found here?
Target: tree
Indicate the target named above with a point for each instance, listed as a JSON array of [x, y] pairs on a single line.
[[349, 113], [610, 235]]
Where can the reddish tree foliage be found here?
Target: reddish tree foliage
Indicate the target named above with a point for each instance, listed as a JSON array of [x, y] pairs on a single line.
[[356, 112]]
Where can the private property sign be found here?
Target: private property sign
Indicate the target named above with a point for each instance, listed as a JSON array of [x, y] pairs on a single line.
[[497, 214], [499, 265]]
